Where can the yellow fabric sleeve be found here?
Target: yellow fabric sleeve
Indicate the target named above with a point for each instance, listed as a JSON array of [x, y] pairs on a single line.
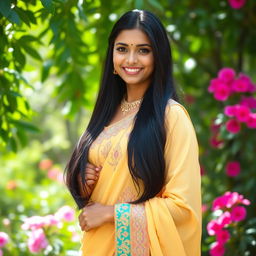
[[174, 217]]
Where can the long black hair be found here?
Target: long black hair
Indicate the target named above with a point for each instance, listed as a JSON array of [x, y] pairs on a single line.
[[147, 139]]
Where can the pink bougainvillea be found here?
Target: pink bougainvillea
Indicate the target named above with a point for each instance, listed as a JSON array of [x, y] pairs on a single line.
[[233, 168], [238, 213], [217, 249], [37, 241], [36, 225], [223, 87], [4, 238], [237, 4], [232, 210], [233, 126], [65, 213]]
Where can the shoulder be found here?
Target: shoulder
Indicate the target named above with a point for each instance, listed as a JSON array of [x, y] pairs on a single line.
[[176, 115]]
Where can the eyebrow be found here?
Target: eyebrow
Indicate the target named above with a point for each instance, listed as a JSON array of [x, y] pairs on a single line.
[[138, 45]]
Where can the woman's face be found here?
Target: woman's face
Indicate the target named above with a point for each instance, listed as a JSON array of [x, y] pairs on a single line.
[[133, 57]]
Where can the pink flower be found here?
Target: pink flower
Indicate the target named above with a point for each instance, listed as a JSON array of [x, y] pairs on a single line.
[[251, 122], [204, 208], [247, 79], [216, 142], [37, 241], [224, 219], [217, 249], [249, 102], [222, 236], [226, 74], [240, 85], [242, 113], [230, 110], [4, 238], [202, 170], [233, 168], [45, 164], [237, 4], [238, 213], [66, 213], [53, 173], [34, 222], [219, 202], [245, 202], [51, 220], [213, 227], [222, 92], [233, 126], [1, 252], [227, 200], [214, 83], [215, 127]]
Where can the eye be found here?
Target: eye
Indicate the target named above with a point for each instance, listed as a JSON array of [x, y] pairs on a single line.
[[144, 50], [121, 49]]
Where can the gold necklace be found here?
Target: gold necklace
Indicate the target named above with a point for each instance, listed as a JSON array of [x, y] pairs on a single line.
[[127, 106]]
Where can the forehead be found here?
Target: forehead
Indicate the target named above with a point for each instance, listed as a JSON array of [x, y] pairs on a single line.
[[132, 36]]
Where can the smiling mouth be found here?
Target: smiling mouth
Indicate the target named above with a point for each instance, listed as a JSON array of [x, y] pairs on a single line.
[[132, 71]]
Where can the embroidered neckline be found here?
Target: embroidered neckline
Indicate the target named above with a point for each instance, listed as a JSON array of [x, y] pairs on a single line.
[[116, 123]]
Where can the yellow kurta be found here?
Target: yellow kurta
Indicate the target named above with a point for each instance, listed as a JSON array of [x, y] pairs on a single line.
[[173, 218]]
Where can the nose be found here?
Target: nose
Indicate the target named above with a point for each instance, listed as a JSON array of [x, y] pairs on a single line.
[[132, 58]]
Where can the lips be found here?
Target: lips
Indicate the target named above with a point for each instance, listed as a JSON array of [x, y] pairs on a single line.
[[132, 71]]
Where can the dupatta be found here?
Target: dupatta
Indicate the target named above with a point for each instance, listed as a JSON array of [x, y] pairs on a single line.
[[166, 225]]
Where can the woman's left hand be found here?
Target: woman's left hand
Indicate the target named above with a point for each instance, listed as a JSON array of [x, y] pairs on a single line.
[[94, 215]]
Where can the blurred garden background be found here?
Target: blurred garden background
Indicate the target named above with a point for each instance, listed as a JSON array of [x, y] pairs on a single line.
[[51, 55]]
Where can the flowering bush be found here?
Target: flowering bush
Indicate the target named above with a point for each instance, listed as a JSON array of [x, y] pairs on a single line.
[[39, 226], [230, 211], [231, 226]]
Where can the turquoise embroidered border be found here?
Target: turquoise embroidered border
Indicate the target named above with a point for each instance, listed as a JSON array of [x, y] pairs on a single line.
[[123, 231]]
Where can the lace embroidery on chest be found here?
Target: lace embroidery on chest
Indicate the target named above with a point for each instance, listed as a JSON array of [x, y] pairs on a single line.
[[112, 130]]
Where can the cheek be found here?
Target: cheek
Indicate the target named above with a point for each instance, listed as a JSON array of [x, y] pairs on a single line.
[[117, 59], [149, 62]]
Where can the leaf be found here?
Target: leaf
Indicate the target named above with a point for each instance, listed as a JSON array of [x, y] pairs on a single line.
[[32, 52], [46, 70], [19, 56], [25, 125], [14, 17], [22, 138], [5, 8], [23, 15], [48, 4], [31, 16], [29, 38], [12, 145]]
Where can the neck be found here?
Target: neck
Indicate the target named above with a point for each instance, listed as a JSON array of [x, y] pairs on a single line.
[[135, 92]]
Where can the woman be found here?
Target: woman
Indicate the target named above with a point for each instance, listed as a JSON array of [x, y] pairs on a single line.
[[135, 171]]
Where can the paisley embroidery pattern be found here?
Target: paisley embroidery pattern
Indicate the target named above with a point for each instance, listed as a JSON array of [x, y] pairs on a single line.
[[122, 225], [113, 130], [131, 230], [139, 232]]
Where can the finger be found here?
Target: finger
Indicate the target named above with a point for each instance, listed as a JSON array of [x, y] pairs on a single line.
[[90, 182], [91, 166], [91, 177], [90, 171]]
